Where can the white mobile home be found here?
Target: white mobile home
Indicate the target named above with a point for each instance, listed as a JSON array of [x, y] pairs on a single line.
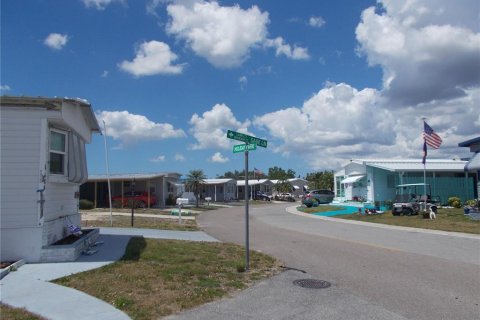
[[298, 186], [43, 163], [473, 165], [219, 189], [254, 185]]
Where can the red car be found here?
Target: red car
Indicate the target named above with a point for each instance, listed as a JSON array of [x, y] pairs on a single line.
[[140, 198]]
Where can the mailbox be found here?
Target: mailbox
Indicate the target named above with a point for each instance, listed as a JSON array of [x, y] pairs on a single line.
[[181, 201]]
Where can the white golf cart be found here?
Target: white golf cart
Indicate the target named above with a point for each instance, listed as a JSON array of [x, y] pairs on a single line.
[[410, 199]]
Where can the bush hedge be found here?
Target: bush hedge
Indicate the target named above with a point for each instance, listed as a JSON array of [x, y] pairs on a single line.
[[85, 204], [455, 202]]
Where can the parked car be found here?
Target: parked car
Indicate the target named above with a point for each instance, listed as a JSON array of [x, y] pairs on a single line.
[[321, 195], [140, 199], [262, 196], [285, 197]]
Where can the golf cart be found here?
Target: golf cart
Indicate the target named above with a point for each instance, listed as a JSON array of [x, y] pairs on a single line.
[[410, 199]]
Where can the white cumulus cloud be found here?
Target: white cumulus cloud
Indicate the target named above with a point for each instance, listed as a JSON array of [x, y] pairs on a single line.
[[316, 22], [295, 53], [243, 80], [158, 159], [153, 57], [210, 129], [219, 158], [132, 128], [56, 41], [335, 121], [100, 4], [224, 35], [5, 87], [428, 50], [179, 157]]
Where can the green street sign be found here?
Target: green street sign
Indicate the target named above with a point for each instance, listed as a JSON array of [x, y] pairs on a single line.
[[244, 147], [246, 138]]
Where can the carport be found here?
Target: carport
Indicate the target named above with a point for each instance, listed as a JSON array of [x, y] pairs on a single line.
[[160, 185]]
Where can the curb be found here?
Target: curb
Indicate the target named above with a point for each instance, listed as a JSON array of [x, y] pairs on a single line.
[[12, 267], [293, 210]]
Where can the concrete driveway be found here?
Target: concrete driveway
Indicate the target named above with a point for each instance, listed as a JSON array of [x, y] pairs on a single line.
[[376, 272]]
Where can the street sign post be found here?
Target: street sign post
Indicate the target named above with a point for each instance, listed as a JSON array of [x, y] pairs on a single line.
[[246, 138], [251, 143], [244, 147]]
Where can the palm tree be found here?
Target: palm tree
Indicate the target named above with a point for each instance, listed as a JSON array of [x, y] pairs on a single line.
[[194, 181]]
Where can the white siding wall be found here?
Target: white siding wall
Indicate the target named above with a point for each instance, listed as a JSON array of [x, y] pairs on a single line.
[[20, 177], [20, 167], [24, 148], [61, 208], [355, 168]]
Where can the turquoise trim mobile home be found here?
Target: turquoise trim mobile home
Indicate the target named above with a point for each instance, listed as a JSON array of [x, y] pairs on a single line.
[[375, 179]]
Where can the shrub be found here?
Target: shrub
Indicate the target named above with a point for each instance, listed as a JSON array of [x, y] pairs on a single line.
[[310, 202], [388, 204], [171, 201], [240, 267], [85, 204], [471, 203], [455, 202]]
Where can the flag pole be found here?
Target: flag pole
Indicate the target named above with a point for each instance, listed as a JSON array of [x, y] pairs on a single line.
[[424, 166], [108, 174]]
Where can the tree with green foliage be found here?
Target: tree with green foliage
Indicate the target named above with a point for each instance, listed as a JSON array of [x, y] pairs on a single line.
[[283, 186], [277, 173], [320, 180], [236, 175], [239, 175], [194, 181]]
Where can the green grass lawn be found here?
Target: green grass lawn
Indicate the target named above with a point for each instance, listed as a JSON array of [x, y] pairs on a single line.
[[447, 220], [10, 313], [201, 207], [141, 222], [156, 278], [322, 208]]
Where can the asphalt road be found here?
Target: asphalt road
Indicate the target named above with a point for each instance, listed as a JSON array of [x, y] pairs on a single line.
[[409, 274]]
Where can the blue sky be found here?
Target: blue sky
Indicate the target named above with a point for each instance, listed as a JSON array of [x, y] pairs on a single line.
[[322, 81]]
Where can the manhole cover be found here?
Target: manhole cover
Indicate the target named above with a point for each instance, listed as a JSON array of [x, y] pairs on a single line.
[[312, 283]]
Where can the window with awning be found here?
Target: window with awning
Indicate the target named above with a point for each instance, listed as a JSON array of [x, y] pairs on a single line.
[[77, 162]]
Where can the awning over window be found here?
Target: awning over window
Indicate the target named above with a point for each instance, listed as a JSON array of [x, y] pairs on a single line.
[[352, 179], [474, 163], [77, 162]]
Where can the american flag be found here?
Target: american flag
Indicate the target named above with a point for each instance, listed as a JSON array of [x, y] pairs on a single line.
[[432, 139], [424, 159], [257, 172]]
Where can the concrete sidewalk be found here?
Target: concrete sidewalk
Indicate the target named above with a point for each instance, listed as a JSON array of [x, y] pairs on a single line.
[[29, 286]]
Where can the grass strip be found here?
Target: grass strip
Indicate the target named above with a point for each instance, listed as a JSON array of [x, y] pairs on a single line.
[[11, 313], [448, 219], [321, 208], [156, 278], [141, 222]]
